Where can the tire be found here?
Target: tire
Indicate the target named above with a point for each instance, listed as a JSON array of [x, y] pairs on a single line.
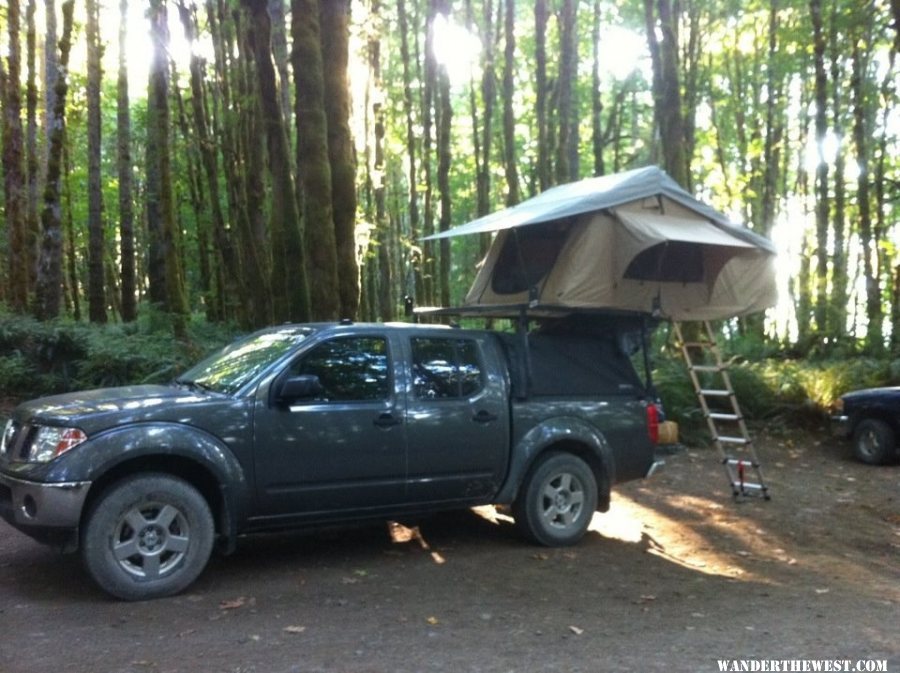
[[557, 501], [873, 442], [147, 536]]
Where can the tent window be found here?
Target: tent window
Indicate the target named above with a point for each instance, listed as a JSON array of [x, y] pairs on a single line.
[[672, 262], [528, 255]]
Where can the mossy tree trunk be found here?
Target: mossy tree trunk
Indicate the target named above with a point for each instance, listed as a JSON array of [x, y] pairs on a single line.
[[166, 280], [123, 162], [13, 156], [49, 275], [96, 279], [335, 36]]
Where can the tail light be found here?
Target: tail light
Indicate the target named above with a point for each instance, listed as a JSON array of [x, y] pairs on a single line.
[[653, 422]]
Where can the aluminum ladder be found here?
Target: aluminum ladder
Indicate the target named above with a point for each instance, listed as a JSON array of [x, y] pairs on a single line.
[[709, 376]]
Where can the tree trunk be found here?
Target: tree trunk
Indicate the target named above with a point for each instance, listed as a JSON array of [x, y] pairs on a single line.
[[385, 280], [49, 277], [123, 160], [281, 58], [412, 174], [667, 88], [335, 32], [837, 302], [251, 296], [51, 64], [822, 197], [596, 98], [509, 115], [32, 225], [567, 147], [166, 283], [774, 127], [96, 279], [313, 167], [14, 178], [428, 98], [445, 116], [541, 17], [868, 242]]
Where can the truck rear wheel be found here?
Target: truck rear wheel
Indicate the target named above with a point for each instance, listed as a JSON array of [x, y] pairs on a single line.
[[557, 500], [147, 536]]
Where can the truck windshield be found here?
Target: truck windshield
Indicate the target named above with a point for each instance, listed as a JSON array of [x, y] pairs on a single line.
[[234, 366]]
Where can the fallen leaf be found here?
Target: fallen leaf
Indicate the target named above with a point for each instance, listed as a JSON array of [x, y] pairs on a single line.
[[433, 621], [822, 591], [576, 630], [540, 557], [350, 580], [233, 604], [294, 629]]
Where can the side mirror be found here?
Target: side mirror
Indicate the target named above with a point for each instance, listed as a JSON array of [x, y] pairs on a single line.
[[304, 387]]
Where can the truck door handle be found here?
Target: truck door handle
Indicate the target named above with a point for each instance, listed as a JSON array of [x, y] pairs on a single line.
[[484, 417], [387, 420]]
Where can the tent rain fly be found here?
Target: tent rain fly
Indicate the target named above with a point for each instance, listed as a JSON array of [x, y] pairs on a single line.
[[634, 242]]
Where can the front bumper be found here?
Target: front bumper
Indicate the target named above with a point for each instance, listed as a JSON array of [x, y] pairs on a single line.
[[840, 426], [48, 512]]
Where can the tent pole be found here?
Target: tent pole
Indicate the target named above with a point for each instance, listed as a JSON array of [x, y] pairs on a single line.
[[525, 363], [645, 347]]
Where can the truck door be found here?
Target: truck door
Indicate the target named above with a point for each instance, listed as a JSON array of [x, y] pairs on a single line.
[[457, 420], [345, 448]]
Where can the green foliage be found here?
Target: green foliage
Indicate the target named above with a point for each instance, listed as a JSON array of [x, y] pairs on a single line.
[[62, 355], [768, 386]]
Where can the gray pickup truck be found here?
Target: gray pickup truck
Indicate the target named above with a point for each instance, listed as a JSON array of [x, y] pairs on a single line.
[[305, 425]]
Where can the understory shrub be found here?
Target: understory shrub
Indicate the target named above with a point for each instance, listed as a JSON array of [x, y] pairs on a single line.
[[44, 358]]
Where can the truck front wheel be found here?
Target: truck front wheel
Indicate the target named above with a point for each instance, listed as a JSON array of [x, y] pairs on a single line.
[[147, 536], [873, 441], [557, 500]]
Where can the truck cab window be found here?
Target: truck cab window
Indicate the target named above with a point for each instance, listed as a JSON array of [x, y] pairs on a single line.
[[353, 369], [445, 368]]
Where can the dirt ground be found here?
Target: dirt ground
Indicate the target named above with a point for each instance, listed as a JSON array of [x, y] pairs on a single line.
[[674, 578]]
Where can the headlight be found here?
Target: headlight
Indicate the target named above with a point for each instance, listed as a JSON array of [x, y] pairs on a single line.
[[50, 442]]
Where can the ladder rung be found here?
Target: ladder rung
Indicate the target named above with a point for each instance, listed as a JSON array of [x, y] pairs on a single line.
[[737, 462], [716, 393], [698, 344], [724, 417], [744, 485], [708, 368], [734, 440]]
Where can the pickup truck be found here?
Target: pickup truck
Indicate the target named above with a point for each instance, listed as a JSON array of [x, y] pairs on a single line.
[[319, 424]]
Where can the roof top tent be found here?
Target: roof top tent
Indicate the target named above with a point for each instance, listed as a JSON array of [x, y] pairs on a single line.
[[631, 242], [624, 247]]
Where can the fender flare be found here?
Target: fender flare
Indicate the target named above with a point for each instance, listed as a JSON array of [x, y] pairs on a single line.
[[553, 432], [114, 448]]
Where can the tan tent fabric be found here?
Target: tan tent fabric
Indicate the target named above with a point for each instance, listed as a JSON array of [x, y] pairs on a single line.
[[650, 255]]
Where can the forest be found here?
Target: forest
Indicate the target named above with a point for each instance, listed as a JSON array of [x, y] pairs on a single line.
[[247, 162]]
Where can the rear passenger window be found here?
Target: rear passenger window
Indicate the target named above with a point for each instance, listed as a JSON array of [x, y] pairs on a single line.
[[445, 368]]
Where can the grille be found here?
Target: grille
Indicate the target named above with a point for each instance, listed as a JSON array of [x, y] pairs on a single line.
[[16, 441]]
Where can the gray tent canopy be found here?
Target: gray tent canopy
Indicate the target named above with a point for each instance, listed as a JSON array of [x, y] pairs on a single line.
[[633, 242]]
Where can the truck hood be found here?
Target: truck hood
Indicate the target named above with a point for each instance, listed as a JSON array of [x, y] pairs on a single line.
[[93, 410], [892, 392]]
